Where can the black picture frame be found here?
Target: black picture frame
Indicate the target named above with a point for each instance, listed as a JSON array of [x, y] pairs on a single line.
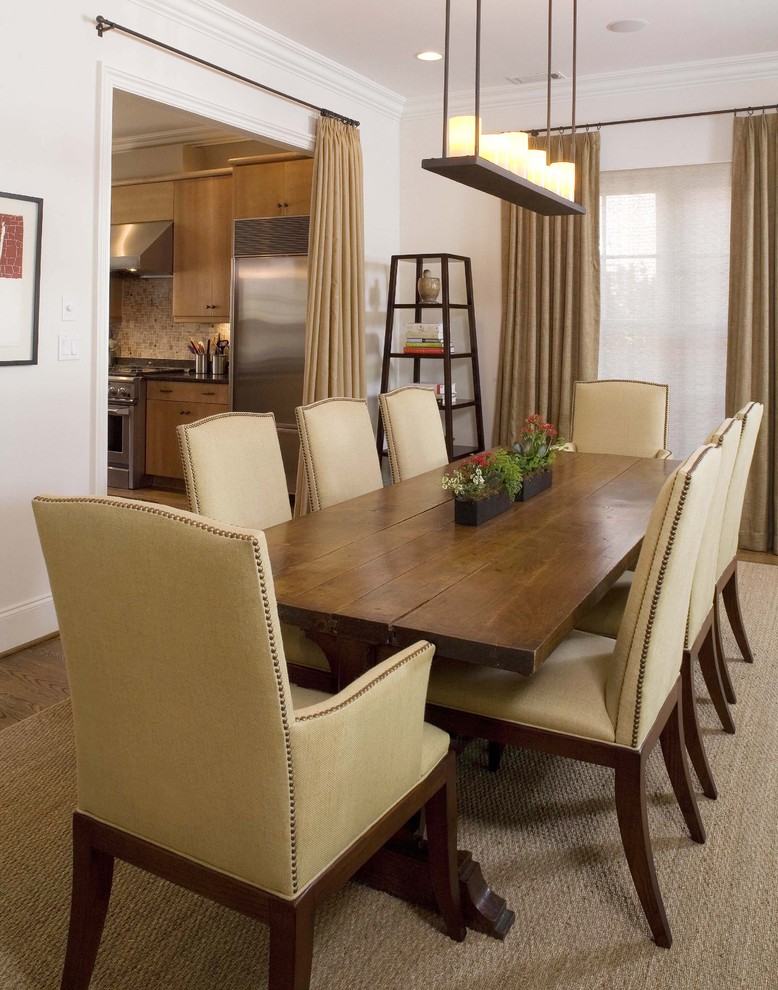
[[21, 230]]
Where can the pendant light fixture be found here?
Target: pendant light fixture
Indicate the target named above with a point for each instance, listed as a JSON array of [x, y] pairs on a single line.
[[502, 165]]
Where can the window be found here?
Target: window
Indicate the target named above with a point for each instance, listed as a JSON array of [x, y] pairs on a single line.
[[664, 254]]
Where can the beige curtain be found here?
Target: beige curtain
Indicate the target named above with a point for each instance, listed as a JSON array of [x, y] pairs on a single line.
[[335, 318], [551, 301], [753, 312]]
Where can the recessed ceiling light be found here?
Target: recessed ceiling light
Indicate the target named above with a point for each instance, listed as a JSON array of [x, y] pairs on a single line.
[[628, 25], [429, 56]]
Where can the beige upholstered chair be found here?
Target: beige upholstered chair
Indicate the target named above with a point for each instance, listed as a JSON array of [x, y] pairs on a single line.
[[603, 702], [726, 565], [414, 434], [605, 618], [234, 473], [196, 758], [338, 451], [620, 417]]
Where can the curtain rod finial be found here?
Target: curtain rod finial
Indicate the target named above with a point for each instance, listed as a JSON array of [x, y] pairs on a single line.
[[102, 25]]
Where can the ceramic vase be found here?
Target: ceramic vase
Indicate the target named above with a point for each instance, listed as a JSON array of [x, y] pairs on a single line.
[[429, 287]]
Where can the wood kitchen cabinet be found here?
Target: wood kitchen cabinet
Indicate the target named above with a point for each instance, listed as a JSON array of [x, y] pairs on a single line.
[[202, 249], [168, 404], [273, 189], [142, 201]]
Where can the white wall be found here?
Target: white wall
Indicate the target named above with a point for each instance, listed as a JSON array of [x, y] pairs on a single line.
[[55, 101], [440, 215]]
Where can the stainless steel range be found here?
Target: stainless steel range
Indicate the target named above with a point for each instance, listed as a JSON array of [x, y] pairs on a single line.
[[127, 421], [126, 428]]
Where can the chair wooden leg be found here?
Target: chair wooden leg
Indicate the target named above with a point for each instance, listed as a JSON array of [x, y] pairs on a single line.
[[633, 825], [441, 815], [711, 673], [291, 945], [91, 892], [721, 660], [494, 754], [674, 752], [691, 730], [735, 615]]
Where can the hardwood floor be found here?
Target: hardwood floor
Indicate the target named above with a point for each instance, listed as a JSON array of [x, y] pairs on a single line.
[[161, 496], [34, 678], [31, 680]]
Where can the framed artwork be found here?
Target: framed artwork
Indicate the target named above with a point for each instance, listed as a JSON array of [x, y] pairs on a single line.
[[21, 224]]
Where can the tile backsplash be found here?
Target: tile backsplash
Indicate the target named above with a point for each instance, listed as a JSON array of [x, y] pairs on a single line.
[[147, 330]]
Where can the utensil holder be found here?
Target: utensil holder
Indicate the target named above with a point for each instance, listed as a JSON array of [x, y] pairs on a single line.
[[217, 365], [201, 364]]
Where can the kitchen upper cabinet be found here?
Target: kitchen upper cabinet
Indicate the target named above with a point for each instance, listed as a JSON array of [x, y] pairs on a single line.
[[275, 189], [169, 404], [202, 249], [142, 201]]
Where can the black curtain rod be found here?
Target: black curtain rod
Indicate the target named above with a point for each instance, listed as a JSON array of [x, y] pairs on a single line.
[[102, 25], [669, 116]]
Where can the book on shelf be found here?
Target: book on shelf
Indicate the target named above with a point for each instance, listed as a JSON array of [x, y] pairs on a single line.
[[428, 341], [424, 330], [419, 350]]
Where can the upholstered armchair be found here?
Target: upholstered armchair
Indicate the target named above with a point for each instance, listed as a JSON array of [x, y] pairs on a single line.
[[234, 473], [339, 452], [414, 433], [620, 417], [699, 642], [197, 760], [607, 702]]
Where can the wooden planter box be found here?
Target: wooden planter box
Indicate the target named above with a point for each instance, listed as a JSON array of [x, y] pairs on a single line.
[[475, 513], [534, 485]]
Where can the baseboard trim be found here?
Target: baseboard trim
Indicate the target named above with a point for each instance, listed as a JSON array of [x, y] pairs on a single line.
[[27, 622]]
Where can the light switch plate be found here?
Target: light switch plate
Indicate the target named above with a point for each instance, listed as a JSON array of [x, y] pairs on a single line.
[[69, 347]]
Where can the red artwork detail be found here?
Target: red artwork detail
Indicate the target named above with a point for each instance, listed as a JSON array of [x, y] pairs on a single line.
[[11, 245]]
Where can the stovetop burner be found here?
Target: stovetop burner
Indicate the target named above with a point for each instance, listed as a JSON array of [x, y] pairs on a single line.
[[134, 370]]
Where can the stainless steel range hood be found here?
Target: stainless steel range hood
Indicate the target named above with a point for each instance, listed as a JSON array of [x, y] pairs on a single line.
[[142, 249]]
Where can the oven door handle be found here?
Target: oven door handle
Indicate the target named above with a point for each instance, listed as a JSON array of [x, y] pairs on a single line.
[[119, 410]]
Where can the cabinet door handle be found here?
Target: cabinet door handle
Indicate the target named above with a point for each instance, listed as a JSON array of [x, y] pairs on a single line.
[[207, 393], [186, 412], [286, 205], [279, 205], [165, 390]]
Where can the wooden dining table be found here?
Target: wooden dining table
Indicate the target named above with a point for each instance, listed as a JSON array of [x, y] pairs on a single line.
[[377, 573]]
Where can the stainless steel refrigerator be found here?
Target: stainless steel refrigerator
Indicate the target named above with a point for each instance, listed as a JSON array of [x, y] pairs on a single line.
[[267, 346]]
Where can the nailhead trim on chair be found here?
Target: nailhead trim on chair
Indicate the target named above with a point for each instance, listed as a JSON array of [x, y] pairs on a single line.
[[389, 430], [153, 510], [622, 381], [313, 492], [186, 453], [655, 599], [366, 688]]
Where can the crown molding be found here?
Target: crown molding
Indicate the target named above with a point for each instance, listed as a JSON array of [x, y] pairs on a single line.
[[179, 135], [216, 22], [659, 78]]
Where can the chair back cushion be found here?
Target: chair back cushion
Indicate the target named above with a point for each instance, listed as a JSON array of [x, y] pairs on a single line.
[[727, 437], [233, 469], [339, 451], [414, 433], [620, 417], [751, 418], [647, 658], [180, 695]]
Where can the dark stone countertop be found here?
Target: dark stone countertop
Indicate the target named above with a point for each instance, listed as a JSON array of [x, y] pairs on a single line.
[[189, 376]]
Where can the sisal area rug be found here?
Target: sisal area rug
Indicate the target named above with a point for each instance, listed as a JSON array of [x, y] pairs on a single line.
[[543, 829]]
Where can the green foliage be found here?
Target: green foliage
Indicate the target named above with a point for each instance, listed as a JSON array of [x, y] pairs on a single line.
[[484, 475], [537, 447]]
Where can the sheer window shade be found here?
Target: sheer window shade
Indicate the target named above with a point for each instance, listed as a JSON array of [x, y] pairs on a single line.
[[664, 250]]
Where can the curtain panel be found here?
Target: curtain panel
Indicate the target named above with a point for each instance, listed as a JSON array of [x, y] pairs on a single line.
[[753, 314], [551, 300], [335, 317]]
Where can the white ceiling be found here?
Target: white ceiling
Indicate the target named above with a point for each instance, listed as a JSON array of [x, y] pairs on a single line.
[[379, 38]]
